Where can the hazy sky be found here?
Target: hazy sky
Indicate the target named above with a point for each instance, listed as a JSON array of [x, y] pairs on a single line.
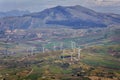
[[112, 6]]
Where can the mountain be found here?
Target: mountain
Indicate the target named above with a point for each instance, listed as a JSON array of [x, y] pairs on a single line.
[[13, 13], [70, 16]]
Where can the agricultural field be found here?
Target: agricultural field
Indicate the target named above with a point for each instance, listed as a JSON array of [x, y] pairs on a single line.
[[95, 63], [54, 56]]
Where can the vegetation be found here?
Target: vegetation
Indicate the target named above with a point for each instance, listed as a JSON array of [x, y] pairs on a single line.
[[34, 58], [96, 62]]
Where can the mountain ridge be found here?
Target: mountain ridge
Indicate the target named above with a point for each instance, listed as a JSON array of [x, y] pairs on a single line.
[[69, 16], [13, 13]]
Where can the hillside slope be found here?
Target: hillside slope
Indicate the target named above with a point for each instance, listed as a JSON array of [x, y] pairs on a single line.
[[71, 16]]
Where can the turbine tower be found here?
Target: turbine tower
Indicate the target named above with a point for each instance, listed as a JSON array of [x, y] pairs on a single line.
[[43, 49], [72, 43], [79, 53], [73, 46], [61, 45], [71, 56], [32, 50], [63, 54], [54, 47]]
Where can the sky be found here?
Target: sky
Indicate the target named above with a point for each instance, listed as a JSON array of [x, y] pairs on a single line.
[[109, 6]]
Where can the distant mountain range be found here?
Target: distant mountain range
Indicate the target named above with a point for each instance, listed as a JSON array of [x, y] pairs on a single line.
[[70, 16], [13, 13]]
